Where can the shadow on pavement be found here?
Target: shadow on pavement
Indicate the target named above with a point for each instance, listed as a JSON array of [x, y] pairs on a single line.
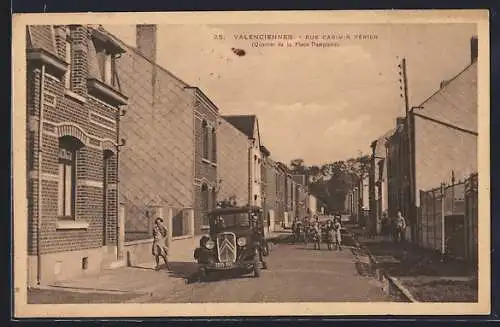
[[182, 269]]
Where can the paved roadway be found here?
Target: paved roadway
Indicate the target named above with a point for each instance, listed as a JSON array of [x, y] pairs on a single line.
[[295, 274]]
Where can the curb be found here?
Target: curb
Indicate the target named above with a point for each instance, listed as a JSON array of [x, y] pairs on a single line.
[[390, 283], [397, 283]]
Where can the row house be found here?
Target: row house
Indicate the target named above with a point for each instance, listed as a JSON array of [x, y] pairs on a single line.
[[249, 126], [269, 188], [378, 186], [281, 204], [233, 164], [312, 204], [443, 134], [73, 113], [206, 182], [301, 198], [357, 201], [168, 163], [398, 173]]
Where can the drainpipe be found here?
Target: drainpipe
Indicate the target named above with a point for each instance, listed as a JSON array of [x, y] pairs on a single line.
[[40, 152], [119, 251]]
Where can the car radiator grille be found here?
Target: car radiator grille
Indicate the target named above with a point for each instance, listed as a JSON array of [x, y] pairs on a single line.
[[226, 247]]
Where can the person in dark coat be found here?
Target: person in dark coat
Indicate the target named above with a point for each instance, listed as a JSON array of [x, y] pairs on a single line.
[[202, 256]]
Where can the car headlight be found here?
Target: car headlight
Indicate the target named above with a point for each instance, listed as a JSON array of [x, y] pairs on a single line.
[[210, 244], [242, 241]]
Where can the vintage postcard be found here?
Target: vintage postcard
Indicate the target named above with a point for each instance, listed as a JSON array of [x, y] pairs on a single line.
[[251, 164]]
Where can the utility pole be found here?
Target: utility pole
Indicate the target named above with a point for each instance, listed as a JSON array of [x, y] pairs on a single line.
[[409, 141]]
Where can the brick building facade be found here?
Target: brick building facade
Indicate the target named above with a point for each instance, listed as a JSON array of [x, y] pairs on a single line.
[[73, 101], [205, 159]]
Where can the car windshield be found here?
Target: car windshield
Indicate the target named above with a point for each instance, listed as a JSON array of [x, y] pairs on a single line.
[[233, 220]]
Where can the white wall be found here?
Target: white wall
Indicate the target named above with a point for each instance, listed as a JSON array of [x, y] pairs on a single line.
[[255, 170], [313, 204]]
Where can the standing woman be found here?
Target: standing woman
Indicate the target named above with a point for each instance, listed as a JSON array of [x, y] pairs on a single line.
[[337, 227], [330, 232], [317, 235], [160, 238]]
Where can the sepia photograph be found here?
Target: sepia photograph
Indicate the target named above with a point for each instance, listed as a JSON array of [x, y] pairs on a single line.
[[253, 163]]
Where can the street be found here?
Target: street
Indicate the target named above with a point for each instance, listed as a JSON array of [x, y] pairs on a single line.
[[295, 274]]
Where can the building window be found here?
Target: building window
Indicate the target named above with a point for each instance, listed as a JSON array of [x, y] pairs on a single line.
[[67, 178], [69, 59], [205, 139], [204, 203], [109, 68], [214, 146], [106, 64]]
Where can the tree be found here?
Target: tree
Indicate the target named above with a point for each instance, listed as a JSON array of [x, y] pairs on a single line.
[[332, 181], [297, 167]]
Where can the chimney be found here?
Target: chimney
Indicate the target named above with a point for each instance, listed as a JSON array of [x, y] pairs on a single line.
[[473, 49], [146, 41]]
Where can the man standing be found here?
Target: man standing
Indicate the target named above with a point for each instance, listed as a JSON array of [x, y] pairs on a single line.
[[400, 228]]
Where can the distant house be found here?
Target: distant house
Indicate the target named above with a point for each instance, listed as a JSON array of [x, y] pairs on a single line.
[[249, 125], [281, 197], [378, 181], [312, 204], [300, 190], [269, 187]]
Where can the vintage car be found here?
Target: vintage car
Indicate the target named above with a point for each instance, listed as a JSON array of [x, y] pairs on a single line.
[[236, 241]]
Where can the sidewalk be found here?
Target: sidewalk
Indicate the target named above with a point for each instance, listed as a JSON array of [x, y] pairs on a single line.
[[421, 271], [125, 284]]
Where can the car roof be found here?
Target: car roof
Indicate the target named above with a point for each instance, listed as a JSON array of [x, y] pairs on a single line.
[[222, 211]]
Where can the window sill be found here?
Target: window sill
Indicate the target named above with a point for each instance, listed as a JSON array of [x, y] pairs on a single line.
[[71, 224], [74, 96], [205, 161], [105, 92], [214, 164]]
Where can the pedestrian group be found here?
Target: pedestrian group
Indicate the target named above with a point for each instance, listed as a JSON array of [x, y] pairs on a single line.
[[306, 230]]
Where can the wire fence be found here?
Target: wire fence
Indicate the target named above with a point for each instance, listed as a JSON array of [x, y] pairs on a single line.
[[448, 218]]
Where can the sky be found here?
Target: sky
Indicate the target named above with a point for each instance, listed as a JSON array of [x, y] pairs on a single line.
[[318, 104]]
